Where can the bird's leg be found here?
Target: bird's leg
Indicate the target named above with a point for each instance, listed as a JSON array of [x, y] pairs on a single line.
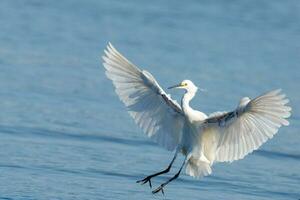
[[161, 187], [148, 178]]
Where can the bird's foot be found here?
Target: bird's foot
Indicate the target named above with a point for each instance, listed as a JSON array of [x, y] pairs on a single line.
[[160, 188], [145, 180]]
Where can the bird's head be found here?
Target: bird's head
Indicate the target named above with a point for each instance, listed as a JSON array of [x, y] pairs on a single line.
[[187, 85]]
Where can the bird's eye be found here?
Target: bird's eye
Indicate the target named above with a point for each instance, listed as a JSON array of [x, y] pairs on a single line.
[[185, 84]]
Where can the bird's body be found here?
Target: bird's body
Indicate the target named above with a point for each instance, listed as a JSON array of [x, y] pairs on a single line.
[[193, 134], [202, 139]]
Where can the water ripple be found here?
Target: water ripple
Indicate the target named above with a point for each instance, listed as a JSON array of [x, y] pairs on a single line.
[[278, 155], [55, 134]]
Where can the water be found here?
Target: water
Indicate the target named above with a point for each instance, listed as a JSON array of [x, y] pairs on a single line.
[[64, 133]]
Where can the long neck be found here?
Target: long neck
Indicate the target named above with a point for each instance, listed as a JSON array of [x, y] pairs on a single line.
[[187, 97]]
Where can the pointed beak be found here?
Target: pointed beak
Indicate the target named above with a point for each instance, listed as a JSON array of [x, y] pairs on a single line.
[[175, 86]]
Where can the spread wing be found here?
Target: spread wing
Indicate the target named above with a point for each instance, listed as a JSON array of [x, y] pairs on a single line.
[[159, 116], [249, 126]]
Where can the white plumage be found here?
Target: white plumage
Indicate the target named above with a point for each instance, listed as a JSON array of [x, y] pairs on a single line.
[[151, 108], [204, 140]]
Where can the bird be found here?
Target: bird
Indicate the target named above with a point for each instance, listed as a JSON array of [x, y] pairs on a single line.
[[202, 139]]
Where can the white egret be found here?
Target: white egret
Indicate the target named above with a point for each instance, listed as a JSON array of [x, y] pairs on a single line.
[[202, 139]]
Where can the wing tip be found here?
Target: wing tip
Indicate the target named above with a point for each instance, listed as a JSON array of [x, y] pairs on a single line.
[[286, 123], [109, 49], [277, 91], [109, 53]]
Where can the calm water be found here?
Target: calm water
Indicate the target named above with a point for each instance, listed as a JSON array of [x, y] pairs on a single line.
[[64, 133]]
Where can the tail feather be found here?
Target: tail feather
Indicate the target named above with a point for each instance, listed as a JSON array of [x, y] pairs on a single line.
[[198, 168]]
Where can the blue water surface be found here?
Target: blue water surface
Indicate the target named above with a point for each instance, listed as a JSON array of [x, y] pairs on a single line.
[[64, 133]]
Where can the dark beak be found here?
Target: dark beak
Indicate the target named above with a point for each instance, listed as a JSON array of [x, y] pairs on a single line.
[[174, 86]]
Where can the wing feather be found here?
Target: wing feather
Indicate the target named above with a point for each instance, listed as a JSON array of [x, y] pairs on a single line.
[[160, 117], [254, 122]]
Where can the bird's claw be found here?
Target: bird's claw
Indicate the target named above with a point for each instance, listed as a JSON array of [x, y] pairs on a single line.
[[145, 180], [160, 188]]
